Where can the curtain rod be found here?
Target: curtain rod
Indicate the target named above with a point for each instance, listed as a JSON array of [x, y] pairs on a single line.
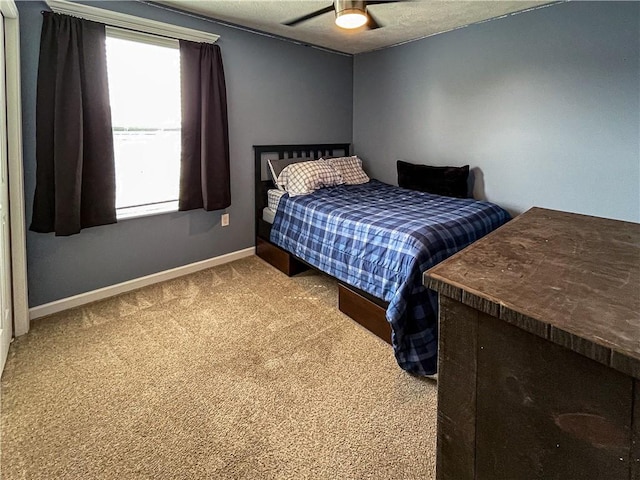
[[130, 22], [126, 33]]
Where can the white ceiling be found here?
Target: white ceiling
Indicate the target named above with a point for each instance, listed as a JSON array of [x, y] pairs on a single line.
[[402, 21]]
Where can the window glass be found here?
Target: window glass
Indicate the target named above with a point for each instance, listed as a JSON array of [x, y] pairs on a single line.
[[144, 90]]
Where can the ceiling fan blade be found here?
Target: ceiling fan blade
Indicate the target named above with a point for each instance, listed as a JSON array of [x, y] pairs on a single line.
[[372, 23], [309, 16]]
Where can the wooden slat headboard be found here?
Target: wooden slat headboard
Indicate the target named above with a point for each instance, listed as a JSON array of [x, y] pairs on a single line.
[[264, 152]]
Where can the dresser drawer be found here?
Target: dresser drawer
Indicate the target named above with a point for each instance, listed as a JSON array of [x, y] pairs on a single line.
[[279, 258]]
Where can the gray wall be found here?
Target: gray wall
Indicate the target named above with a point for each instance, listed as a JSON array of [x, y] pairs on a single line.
[[545, 105], [278, 92]]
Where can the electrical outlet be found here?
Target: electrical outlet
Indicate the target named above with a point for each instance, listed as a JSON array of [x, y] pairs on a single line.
[[224, 219]]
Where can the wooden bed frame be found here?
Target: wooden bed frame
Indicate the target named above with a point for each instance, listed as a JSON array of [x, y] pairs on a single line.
[[365, 309]]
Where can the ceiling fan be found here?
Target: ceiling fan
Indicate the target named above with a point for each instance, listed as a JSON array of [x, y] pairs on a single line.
[[349, 14]]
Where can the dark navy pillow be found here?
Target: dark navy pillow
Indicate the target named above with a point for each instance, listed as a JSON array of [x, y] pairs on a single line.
[[447, 181]]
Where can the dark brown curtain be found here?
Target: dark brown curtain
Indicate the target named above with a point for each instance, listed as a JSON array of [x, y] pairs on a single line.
[[75, 177], [204, 171]]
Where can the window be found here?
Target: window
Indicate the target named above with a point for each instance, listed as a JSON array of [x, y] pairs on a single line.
[[144, 91]]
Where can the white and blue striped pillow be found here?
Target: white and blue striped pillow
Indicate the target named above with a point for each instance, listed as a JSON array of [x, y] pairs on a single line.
[[350, 168]]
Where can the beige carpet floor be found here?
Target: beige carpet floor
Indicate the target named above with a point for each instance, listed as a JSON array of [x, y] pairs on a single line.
[[235, 372]]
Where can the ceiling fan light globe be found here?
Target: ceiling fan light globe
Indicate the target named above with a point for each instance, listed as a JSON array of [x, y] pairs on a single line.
[[351, 18]]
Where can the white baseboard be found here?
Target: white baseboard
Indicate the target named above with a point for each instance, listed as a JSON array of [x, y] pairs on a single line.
[[136, 283]]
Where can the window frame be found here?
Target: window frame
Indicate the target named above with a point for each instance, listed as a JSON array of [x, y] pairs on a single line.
[[127, 27]]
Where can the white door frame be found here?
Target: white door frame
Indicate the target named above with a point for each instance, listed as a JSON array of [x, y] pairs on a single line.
[[16, 183], [6, 310]]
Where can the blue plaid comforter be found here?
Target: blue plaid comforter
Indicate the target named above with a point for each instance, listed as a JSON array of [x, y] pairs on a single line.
[[380, 239]]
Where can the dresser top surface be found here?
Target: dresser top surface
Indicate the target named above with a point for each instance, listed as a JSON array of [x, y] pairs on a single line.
[[571, 273]]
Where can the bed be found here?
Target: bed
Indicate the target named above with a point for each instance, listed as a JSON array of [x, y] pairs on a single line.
[[376, 240]]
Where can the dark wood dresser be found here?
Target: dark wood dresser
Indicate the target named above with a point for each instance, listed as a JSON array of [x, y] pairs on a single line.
[[539, 360]]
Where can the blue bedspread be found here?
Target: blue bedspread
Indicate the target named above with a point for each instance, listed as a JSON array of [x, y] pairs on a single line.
[[380, 239]]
